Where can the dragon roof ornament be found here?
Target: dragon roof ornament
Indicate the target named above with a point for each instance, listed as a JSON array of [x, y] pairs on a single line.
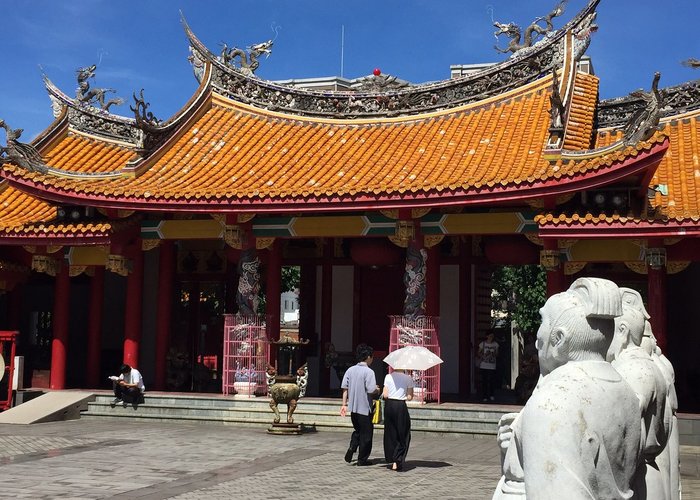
[[677, 100], [520, 40], [645, 121], [19, 153], [247, 59], [144, 132], [521, 68]]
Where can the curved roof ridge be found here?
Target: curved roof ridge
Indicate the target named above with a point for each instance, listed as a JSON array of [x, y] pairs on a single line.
[[535, 86], [525, 66]]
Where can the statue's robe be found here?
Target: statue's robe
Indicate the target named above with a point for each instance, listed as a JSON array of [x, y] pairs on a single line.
[[669, 459], [648, 383], [579, 435]]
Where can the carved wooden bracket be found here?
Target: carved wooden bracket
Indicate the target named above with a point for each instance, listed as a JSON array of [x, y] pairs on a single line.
[[261, 243], [118, 264], [44, 264], [149, 244]]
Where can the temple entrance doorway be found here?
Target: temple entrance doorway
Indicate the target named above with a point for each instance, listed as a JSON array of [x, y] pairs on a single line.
[[381, 295], [196, 352]]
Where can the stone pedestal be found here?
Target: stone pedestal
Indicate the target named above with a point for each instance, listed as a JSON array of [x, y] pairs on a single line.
[[286, 429]]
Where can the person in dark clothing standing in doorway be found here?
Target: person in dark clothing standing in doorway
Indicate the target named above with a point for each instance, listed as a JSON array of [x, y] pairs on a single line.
[[488, 354], [359, 386]]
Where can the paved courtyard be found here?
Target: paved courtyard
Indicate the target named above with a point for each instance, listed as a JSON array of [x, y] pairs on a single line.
[[133, 460]]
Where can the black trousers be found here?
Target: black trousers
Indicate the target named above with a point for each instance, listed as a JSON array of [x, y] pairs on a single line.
[[397, 431], [488, 382], [127, 394], [362, 435]]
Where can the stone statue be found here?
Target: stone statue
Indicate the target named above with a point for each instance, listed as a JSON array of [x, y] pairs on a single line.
[[92, 96], [645, 121], [514, 32], [579, 435], [668, 460], [23, 155], [636, 366], [248, 60]]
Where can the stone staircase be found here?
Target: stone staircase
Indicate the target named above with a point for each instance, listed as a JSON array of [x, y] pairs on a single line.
[[318, 413]]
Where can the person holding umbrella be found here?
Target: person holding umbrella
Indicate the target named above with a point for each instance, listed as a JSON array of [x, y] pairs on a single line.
[[398, 388]]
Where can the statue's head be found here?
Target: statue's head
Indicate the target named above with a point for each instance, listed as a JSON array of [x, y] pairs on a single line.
[[629, 327], [649, 340], [578, 324]]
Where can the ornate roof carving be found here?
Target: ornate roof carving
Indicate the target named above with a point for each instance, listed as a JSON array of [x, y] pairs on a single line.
[[84, 117], [523, 67], [144, 132], [677, 100]]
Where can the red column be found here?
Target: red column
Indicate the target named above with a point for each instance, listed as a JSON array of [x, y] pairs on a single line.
[[324, 383], [657, 304], [432, 282], [272, 296], [92, 368], [555, 277], [59, 343], [166, 272], [465, 316], [132, 320]]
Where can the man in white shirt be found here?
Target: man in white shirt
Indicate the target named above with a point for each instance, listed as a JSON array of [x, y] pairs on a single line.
[[128, 387]]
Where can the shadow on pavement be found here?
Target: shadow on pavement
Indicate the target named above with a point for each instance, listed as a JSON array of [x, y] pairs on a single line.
[[424, 464]]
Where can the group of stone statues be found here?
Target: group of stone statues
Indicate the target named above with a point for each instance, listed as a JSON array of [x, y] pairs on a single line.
[[601, 422]]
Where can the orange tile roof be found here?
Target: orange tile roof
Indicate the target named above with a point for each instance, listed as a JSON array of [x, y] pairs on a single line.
[[18, 208], [679, 171], [76, 153], [579, 127], [236, 153]]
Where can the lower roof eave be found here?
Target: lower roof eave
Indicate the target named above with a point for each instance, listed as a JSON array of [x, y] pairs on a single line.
[[486, 195], [668, 229], [53, 239]]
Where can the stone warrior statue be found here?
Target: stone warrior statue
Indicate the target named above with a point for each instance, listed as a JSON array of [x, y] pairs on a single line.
[[514, 32], [642, 125], [92, 96], [647, 381], [248, 60], [24, 155], [579, 436]]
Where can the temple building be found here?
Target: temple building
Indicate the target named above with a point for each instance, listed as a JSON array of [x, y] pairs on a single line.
[[129, 238]]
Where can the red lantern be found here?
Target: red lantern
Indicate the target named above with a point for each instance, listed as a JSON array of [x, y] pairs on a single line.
[[376, 252], [514, 250], [377, 72]]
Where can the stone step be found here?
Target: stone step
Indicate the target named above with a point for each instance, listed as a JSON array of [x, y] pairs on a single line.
[[322, 405], [318, 412]]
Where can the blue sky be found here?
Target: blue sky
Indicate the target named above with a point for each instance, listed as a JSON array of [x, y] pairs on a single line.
[[141, 44]]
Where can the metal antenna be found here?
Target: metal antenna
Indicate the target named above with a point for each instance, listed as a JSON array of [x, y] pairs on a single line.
[[342, 48]]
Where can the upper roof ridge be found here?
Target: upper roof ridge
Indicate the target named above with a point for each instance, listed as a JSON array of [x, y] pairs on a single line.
[[523, 67]]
